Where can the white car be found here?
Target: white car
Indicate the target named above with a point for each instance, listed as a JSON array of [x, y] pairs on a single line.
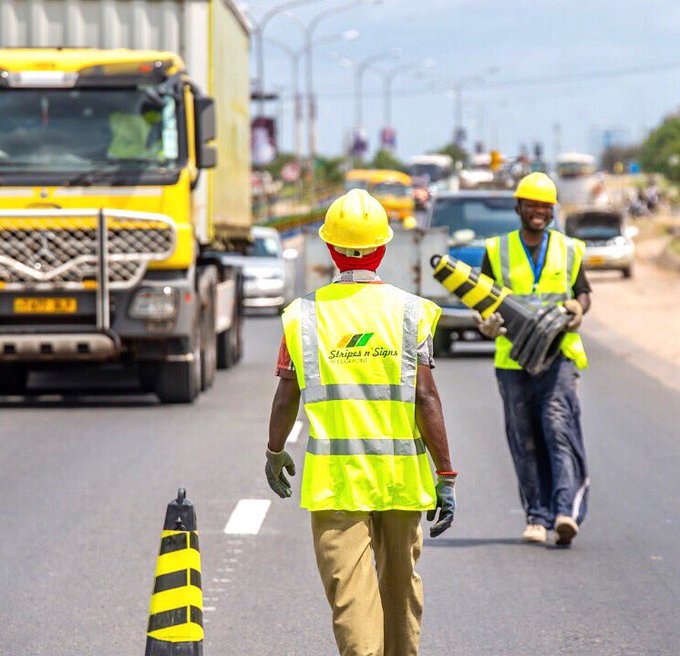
[[609, 241]]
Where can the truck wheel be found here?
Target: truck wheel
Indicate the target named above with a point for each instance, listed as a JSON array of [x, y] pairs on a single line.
[[147, 374], [13, 379], [229, 343], [208, 340], [627, 272], [227, 350], [179, 382], [441, 343]]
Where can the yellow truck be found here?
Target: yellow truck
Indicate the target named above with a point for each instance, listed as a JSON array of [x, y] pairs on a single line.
[[124, 182]]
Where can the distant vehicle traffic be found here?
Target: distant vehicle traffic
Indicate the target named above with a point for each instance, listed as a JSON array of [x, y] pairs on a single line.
[[609, 242], [478, 173], [577, 180], [268, 281], [393, 189], [430, 174], [471, 217]]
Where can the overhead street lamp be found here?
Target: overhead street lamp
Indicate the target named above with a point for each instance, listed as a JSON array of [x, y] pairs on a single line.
[[360, 68], [295, 56], [456, 90], [388, 79], [309, 29], [258, 31]]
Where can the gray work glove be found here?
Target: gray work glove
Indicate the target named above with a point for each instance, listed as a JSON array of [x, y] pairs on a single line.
[[276, 463], [574, 308], [446, 504], [492, 326]]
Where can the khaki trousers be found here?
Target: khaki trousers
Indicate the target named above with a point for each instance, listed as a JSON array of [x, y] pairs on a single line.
[[376, 611]]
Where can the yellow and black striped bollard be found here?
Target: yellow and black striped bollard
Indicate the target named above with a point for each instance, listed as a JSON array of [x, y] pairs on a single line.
[[176, 616], [536, 332]]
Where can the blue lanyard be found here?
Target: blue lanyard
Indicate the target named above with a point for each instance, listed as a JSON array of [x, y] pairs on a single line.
[[537, 267]]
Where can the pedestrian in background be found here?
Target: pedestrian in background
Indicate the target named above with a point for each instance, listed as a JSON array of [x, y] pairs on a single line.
[[359, 353], [542, 413]]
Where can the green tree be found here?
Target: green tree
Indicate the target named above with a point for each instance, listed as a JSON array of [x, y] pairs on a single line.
[[660, 152], [330, 170], [385, 159]]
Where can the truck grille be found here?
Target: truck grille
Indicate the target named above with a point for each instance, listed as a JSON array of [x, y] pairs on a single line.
[[58, 249]]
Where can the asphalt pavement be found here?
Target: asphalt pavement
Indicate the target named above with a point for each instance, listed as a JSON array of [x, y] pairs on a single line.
[[85, 479]]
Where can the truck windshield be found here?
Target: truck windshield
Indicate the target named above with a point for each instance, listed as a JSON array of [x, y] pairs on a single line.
[[86, 130], [486, 217]]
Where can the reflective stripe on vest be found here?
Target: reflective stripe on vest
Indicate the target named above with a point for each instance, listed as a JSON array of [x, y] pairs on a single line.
[[366, 447], [315, 392]]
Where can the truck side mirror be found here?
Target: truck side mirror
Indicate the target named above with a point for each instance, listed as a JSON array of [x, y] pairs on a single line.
[[206, 131]]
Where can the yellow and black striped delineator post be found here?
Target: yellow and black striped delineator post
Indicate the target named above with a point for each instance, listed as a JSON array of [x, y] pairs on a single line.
[[536, 332], [176, 617]]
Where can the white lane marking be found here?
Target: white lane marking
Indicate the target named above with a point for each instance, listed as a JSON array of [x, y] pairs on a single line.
[[295, 432], [247, 518], [208, 608]]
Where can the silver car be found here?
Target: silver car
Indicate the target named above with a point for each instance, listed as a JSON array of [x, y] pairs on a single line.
[[609, 241], [268, 278]]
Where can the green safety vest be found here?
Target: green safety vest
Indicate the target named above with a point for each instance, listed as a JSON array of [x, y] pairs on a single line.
[[355, 351], [512, 269]]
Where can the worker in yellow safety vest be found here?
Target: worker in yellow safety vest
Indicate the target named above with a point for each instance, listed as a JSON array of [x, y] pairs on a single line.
[[542, 413], [359, 354]]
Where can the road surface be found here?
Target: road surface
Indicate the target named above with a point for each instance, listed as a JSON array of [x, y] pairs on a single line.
[[85, 481]]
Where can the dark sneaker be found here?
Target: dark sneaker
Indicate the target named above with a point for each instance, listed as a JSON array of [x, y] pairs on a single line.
[[566, 529]]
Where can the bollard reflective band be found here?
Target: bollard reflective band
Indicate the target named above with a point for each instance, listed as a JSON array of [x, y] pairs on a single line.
[[477, 291], [176, 613]]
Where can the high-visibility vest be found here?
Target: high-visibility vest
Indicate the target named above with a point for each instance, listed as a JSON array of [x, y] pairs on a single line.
[[355, 351], [511, 268]]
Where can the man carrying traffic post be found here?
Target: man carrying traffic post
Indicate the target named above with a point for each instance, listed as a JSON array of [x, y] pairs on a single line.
[[359, 353], [542, 413]]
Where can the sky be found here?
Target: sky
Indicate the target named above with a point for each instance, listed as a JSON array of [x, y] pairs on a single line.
[[566, 68]]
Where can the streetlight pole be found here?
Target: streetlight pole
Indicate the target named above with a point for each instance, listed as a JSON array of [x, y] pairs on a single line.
[[258, 30], [309, 44], [388, 80], [295, 56], [456, 89], [360, 68]]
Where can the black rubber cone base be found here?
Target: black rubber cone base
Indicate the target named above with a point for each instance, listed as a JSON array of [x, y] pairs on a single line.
[[165, 648]]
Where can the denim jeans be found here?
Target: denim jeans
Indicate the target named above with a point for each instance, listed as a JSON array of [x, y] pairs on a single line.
[[543, 427]]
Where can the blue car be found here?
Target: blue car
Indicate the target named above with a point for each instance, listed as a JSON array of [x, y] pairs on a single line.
[[471, 217]]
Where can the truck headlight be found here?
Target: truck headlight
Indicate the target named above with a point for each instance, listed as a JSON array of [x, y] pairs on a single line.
[[154, 304]]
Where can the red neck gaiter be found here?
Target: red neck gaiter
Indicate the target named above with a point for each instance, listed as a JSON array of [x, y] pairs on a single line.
[[368, 262]]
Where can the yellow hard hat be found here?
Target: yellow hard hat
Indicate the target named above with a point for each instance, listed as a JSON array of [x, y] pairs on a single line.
[[356, 220], [537, 186]]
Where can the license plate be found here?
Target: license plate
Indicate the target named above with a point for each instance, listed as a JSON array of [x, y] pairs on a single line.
[[45, 305], [596, 259]]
